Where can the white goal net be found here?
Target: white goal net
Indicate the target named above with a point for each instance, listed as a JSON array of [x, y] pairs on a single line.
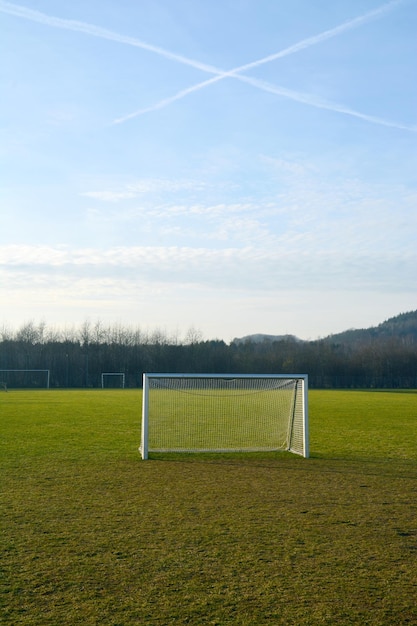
[[224, 413]]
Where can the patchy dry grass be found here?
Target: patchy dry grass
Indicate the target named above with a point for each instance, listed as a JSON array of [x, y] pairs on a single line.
[[93, 535]]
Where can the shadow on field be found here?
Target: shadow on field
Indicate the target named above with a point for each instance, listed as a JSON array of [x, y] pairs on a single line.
[[390, 468]]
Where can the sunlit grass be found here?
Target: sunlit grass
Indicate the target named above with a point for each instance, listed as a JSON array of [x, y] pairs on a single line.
[[93, 535], [374, 425]]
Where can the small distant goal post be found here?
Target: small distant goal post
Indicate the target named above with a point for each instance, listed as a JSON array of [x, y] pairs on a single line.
[[25, 378], [113, 380], [224, 413]]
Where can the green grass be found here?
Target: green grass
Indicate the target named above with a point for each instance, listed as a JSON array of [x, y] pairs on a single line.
[[93, 535]]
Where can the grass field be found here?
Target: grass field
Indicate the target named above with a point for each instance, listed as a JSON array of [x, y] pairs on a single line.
[[92, 535]]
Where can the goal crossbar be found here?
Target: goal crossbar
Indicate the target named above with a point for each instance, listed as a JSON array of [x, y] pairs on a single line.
[[224, 413]]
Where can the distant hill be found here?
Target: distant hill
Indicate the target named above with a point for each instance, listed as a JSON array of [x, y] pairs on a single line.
[[262, 338], [401, 326]]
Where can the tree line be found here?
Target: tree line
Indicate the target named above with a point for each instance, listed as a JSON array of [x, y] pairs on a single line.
[[76, 358]]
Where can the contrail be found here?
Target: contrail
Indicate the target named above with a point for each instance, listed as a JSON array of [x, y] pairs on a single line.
[[96, 31], [103, 33], [281, 91], [297, 96], [166, 101], [324, 104], [316, 39]]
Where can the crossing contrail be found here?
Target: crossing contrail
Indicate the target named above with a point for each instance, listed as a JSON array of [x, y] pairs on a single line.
[[218, 74], [281, 91], [297, 96], [103, 33]]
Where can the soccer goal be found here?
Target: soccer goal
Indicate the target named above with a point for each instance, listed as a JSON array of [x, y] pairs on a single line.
[[112, 380], [24, 379], [224, 413]]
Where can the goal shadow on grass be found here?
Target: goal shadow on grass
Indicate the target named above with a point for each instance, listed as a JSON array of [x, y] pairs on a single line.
[[286, 461]]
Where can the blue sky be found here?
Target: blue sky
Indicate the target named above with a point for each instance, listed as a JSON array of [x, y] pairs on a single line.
[[231, 166]]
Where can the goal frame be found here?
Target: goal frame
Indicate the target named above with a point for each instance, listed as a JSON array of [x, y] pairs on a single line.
[[46, 371], [144, 446], [122, 374]]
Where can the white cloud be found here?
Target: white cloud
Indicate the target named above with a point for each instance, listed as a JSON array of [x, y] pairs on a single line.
[[110, 196], [225, 293], [145, 187], [304, 211], [26, 255], [245, 268]]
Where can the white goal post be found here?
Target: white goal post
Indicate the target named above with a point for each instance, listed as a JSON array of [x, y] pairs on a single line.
[[25, 378], [121, 376], [224, 413]]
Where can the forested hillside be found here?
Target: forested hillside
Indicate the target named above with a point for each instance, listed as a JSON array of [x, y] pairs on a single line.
[[402, 327], [380, 357]]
